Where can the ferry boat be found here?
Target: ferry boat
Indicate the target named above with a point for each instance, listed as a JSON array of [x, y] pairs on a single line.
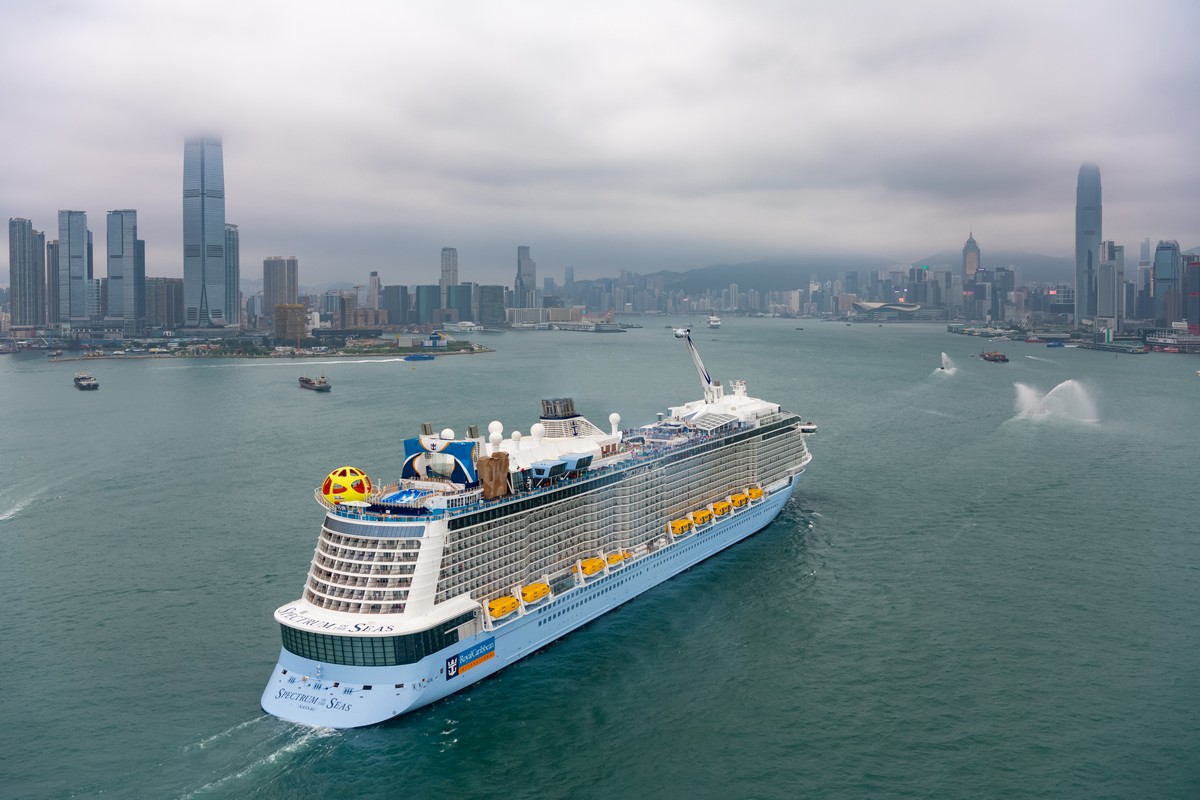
[[995, 356], [85, 382], [486, 549], [321, 384], [419, 357], [714, 321]]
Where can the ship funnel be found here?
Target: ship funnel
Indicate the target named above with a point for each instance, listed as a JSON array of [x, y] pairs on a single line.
[[427, 428], [472, 431]]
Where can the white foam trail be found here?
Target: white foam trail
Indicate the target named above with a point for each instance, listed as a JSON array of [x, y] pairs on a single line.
[[307, 736], [203, 743], [1038, 358], [17, 508]]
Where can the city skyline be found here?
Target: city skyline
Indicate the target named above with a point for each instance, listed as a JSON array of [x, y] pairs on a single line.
[[888, 140]]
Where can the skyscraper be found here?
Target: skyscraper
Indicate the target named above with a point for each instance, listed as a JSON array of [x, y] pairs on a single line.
[[26, 273], [281, 283], [1168, 305], [52, 293], [374, 290], [1087, 240], [74, 266], [970, 268], [1191, 285], [126, 272], [395, 302], [449, 273], [204, 266], [233, 277], [1108, 284], [525, 286]]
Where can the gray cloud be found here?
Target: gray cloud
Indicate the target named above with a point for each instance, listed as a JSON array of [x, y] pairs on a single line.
[[611, 136]]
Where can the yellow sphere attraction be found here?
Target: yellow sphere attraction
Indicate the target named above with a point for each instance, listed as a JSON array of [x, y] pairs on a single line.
[[346, 483]]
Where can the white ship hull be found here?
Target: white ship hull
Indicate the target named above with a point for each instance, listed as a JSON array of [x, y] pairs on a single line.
[[337, 696]]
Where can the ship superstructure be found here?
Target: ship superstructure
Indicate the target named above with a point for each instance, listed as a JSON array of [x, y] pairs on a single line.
[[486, 548]]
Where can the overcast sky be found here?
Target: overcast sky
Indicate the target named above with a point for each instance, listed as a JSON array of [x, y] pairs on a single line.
[[607, 136]]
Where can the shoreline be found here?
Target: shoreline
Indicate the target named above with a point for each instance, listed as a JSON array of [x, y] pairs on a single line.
[[290, 357]]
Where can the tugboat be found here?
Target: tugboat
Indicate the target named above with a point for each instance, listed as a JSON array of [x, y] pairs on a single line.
[[85, 382], [995, 356], [321, 384]]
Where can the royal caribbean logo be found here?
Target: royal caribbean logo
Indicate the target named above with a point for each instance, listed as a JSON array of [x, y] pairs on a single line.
[[468, 659]]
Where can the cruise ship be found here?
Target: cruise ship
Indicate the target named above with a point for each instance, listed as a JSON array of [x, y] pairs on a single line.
[[486, 549]]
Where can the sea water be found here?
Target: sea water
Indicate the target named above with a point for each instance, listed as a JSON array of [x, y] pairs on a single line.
[[985, 585]]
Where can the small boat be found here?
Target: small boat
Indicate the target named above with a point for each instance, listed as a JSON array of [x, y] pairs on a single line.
[[680, 526], [755, 493], [722, 507], [534, 592], [994, 356], [1035, 340], [419, 357], [502, 606], [740, 499], [1056, 343], [616, 558], [54, 354], [702, 517], [321, 384], [85, 382], [591, 566]]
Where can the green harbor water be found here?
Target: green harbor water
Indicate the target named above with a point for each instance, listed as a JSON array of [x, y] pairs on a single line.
[[986, 585]]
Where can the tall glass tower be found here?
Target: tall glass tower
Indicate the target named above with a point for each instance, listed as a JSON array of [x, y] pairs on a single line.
[[74, 266], [1087, 241], [449, 274], [525, 286], [204, 266], [233, 275], [26, 273], [1168, 305]]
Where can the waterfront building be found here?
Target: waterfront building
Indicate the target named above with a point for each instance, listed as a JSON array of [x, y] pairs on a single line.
[[233, 277], [74, 267], [491, 305], [52, 293], [460, 299], [374, 288], [1108, 285], [204, 264], [449, 275], [970, 268], [281, 284], [525, 285], [1168, 306], [395, 303], [1088, 220], [164, 303], [1191, 284], [126, 273], [289, 321], [26, 274], [427, 302]]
